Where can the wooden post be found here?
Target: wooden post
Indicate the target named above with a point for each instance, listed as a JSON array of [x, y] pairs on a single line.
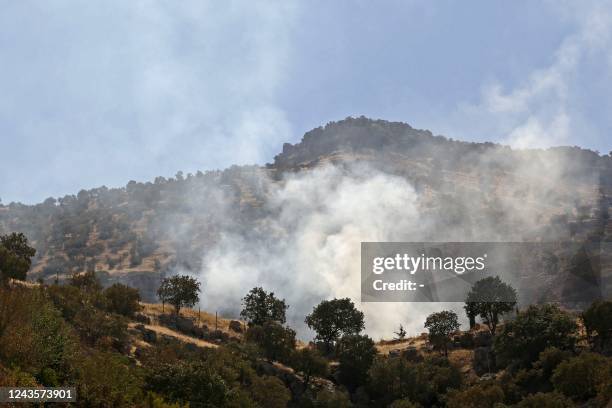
[[198, 314], [216, 322]]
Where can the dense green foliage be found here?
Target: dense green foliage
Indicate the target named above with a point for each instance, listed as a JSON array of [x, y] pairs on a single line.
[[441, 325], [84, 336], [180, 291], [276, 341], [355, 354], [490, 298], [122, 299], [334, 318], [259, 307], [533, 330], [598, 324], [15, 257]]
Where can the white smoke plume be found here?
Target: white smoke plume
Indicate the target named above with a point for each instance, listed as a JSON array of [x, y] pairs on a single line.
[[308, 248]]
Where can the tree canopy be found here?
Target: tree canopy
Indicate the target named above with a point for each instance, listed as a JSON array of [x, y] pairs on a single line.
[[259, 306], [15, 256], [490, 298], [180, 291], [441, 325], [334, 318]]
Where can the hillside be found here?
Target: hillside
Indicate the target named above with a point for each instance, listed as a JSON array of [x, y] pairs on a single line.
[[472, 191]]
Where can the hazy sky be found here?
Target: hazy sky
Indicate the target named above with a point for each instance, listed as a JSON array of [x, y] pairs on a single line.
[[100, 92]]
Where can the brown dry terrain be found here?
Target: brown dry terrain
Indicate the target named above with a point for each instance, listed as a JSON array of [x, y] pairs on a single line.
[[201, 318]]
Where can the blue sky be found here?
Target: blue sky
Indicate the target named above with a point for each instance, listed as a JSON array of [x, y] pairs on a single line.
[[98, 93]]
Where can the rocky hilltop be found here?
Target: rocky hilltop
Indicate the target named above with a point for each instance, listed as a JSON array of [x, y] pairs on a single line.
[[470, 191]]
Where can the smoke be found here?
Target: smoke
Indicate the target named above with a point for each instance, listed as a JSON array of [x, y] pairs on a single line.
[[308, 248], [304, 242]]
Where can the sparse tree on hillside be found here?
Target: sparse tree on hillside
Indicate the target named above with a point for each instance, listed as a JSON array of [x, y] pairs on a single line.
[[259, 306], [535, 329], [355, 354], [87, 282], [441, 326], [334, 318], [122, 299], [490, 298], [309, 362], [597, 321], [180, 291], [400, 334], [15, 257], [275, 341]]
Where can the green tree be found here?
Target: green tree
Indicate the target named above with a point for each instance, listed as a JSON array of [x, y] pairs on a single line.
[[15, 257], [546, 400], [490, 298], [477, 396], [270, 392], [309, 362], [180, 291], [584, 376], [597, 321], [194, 382], [332, 399], [122, 299], [87, 282], [259, 306], [355, 357], [535, 329], [275, 341], [334, 318], [441, 326]]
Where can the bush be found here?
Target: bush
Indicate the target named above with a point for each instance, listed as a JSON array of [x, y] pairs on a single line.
[[584, 376], [122, 299], [545, 400], [422, 382], [533, 330], [275, 341], [332, 399], [309, 362], [355, 354], [192, 382], [403, 404], [598, 322], [477, 396], [37, 340], [107, 379], [270, 392]]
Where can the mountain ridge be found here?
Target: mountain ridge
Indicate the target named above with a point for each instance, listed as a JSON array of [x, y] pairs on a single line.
[[138, 233]]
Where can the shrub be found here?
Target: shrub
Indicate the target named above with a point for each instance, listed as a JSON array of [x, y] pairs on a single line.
[[275, 341], [533, 330], [122, 299], [545, 400], [582, 377], [192, 382], [477, 396], [355, 354], [309, 362], [598, 322], [107, 379], [270, 392]]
